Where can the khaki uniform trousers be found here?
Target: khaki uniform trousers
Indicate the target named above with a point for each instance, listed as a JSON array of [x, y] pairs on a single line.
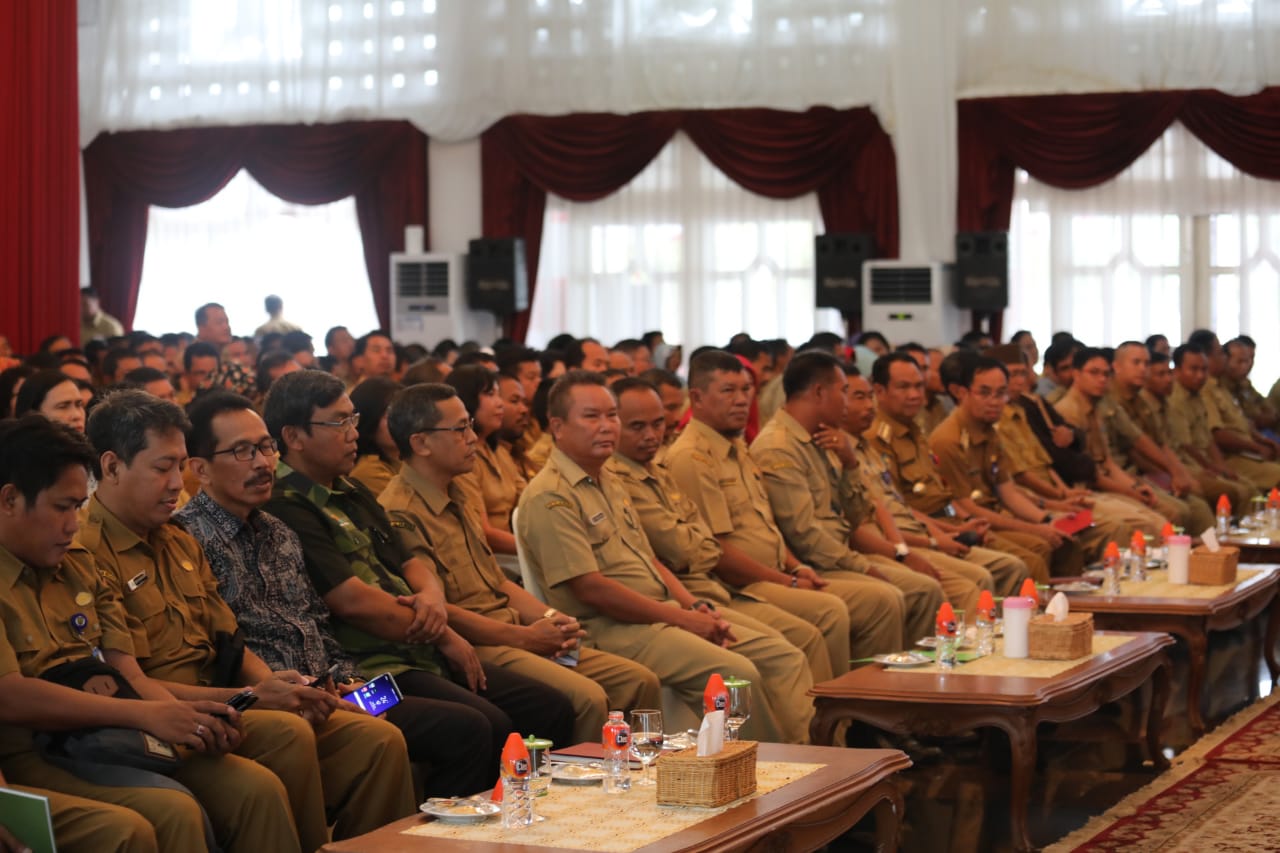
[[1239, 492], [86, 826], [781, 710], [873, 612], [815, 623], [1133, 515], [1006, 570], [922, 596], [962, 581], [352, 769], [1259, 473], [1034, 552], [599, 683], [246, 803]]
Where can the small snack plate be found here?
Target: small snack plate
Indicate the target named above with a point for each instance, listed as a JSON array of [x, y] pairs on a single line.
[[460, 811], [1077, 588], [577, 774], [903, 660], [932, 642]]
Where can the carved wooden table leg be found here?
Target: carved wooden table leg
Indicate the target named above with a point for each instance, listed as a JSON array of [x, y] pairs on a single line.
[[1197, 649], [1160, 680], [1021, 729], [1273, 634], [889, 812]]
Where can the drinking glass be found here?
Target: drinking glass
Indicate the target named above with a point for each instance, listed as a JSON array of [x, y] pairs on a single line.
[[739, 710], [646, 740]]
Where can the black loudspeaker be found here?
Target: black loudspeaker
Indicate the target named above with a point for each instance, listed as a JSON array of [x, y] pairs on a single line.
[[981, 278], [496, 278], [838, 270]]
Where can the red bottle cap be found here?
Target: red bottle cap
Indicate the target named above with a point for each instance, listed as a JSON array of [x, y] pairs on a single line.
[[1166, 531], [1112, 552], [515, 756], [497, 791], [1224, 504], [986, 604], [1273, 496], [946, 619], [1029, 590], [716, 696], [1139, 541]]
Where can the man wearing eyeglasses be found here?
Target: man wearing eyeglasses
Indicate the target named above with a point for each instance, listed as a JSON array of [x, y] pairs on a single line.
[[388, 606]]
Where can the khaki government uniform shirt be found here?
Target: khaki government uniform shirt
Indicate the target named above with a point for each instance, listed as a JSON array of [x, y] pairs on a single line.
[[36, 609], [912, 464], [170, 594], [571, 525], [438, 529], [971, 457], [1021, 445], [1191, 420], [816, 501], [720, 477], [374, 472], [1250, 401], [875, 469], [1083, 414], [493, 487]]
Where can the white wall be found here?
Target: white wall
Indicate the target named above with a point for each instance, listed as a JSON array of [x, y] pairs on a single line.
[[453, 194]]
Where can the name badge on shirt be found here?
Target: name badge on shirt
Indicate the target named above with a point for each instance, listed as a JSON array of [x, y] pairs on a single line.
[[596, 519], [136, 581]]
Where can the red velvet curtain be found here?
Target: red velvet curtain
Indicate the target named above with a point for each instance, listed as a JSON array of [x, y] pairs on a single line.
[[1077, 141], [39, 172], [842, 154], [382, 163]]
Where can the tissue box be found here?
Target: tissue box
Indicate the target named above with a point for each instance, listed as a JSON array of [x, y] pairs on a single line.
[[684, 779], [1213, 567], [1066, 640]]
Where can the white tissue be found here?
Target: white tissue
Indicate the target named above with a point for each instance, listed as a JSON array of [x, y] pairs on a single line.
[[1058, 607], [711, 734], [1210, 540]]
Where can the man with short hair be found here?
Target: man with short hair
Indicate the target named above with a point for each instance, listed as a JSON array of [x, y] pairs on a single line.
[[200, 366], [374, 355], [714, 468], [387, 604], [508, 627], [58, 609], [116, 363], [640, 354], [184, 633], [685, 545], [212, 325], [1058, 370], [261, 574], [670, 390], [96, 324], [1246, 451], [810, 475], [276, 323], [1259, 411], [150, 380], [583, 542], [587, 354]]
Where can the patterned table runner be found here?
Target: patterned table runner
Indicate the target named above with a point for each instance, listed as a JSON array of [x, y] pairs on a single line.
[[1157, 586], [583, 817]]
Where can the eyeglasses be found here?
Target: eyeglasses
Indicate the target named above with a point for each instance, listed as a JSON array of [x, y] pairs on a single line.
[[461, 429], [351, 421], [245, 452], [989, 393]]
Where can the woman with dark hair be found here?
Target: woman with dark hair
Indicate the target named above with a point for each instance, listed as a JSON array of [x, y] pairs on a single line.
[[377, 459], [492, 489], [54, 395], [54, 344], [10, 384], [536, 456]]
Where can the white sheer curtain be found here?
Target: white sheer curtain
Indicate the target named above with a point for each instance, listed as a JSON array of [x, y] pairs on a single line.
[[682, 249], [1178, 241], [245, 243], [453, 67]]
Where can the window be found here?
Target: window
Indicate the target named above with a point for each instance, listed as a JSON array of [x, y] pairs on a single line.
[[682, 249], [1180, 240], [245, 243]]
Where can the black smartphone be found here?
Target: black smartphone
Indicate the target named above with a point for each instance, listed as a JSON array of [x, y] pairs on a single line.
[[243, 701], [377, 696], [327, 681], [969, 537]]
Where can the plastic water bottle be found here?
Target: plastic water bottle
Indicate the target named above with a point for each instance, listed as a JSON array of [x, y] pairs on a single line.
[[1138, 557], [616, 740], [946, 632], [1224, 516], [1111, 569], [1273, 510], [517, 802], [985, 633]]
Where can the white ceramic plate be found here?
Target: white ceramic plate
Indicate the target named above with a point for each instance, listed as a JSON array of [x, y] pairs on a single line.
[[460, 811], [903, 660], [1077, 588], [577, 774]]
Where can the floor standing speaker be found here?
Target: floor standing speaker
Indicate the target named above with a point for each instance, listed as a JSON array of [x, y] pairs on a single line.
[[496, 279], [981, 280], [838, 270]]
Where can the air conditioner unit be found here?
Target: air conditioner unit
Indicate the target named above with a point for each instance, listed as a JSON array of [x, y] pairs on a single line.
[[907, 301], [429, 302]]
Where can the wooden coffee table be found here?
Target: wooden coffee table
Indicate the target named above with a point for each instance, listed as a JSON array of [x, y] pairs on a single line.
[[806, 814], [927, 702], [1193, 619]]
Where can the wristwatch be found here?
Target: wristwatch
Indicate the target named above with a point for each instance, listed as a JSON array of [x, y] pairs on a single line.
[[551, 613], [698, 602], [900, 551], [933, 543]]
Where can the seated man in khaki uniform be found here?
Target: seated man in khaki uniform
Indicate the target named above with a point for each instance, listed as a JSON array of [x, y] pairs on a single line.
[[711, 464], [1246, 451], [903, 448], [583, 542], [972, 460], [685, 545], [937, 405], [1001, 573], [1258, 410], [181, 629], [507, 626], [1118, 495], [1194, 422], [58, 609], [818, 499]]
